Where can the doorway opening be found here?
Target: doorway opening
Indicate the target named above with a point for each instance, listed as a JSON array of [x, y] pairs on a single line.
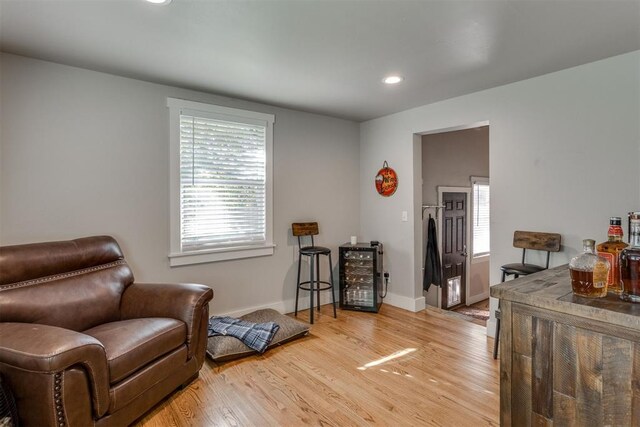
[[455, 186]]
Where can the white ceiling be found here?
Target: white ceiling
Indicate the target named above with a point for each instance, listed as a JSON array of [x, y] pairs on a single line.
[[324, 56]]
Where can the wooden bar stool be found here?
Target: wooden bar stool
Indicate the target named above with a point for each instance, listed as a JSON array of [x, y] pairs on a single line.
[[310, 229], [532, 240]]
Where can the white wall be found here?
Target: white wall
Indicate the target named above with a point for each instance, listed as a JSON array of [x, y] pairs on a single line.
[[564, 156], [86, 153]]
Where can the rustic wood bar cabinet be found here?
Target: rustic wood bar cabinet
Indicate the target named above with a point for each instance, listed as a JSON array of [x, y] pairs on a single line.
[[566, 360]]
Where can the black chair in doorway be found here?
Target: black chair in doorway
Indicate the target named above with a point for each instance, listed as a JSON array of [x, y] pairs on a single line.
[[314, 284], [532, 240]]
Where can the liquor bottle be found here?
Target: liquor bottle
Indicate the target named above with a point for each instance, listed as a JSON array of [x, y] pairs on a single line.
[[630, 261], [589, 272], [611, 251]]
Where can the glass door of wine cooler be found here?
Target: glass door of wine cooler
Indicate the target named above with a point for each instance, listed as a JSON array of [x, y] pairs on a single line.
[[360, 276]]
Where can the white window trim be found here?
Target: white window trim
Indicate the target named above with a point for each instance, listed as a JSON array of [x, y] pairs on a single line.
[[176, 256], [484, 257]]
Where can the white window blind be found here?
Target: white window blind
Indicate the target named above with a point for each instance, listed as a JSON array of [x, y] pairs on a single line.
[[222, 183], [481, 242]]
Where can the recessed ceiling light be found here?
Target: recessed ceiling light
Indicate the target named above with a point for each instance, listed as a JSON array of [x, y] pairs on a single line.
[[159, 1], [392, 80]]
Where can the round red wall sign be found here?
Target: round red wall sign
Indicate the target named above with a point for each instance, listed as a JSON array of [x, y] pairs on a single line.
[[386, 181]]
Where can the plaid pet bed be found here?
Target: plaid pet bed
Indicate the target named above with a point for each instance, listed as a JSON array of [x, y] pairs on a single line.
[[254, 335]]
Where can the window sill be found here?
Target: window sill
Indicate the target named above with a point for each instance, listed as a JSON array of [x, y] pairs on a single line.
[[480, 259], [226, 254]]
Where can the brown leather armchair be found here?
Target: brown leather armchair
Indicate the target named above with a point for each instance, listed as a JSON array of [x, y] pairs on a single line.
[[81, 344]]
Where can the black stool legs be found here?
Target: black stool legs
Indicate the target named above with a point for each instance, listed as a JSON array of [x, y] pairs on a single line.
[[497, 339], [298, 282], [311, 282], [314, 282], [333, 294]]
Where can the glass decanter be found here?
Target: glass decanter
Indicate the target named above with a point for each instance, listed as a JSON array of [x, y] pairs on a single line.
[[589, 272]]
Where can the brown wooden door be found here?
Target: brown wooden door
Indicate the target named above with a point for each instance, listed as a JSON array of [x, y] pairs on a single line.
[[454, 249]]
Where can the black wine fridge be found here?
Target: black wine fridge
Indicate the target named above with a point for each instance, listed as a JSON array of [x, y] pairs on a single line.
[[361, 276]]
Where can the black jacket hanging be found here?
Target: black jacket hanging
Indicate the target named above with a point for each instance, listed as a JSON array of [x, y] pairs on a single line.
[[432, 267]]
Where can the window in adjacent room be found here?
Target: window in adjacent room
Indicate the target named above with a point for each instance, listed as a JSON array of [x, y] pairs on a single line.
[[480, 220], [221, 183]]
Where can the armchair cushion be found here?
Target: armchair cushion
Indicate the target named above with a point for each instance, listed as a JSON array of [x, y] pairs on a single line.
[[183, 302], [132, 344]]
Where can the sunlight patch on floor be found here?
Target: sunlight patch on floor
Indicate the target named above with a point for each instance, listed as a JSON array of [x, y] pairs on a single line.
[[386, 359]]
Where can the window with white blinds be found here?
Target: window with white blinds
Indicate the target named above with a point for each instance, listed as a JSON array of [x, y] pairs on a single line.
[[481, 241], [223, 183]]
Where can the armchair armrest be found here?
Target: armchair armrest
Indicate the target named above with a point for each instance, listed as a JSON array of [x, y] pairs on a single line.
[[181, 301], [49, 349]]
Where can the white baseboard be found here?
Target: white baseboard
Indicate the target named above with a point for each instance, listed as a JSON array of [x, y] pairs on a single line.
[[477, 298], [400, 301], [286, 306], [278, 306]]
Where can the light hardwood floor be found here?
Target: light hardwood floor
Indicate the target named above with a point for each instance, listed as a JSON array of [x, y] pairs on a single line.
[[394, 368]]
